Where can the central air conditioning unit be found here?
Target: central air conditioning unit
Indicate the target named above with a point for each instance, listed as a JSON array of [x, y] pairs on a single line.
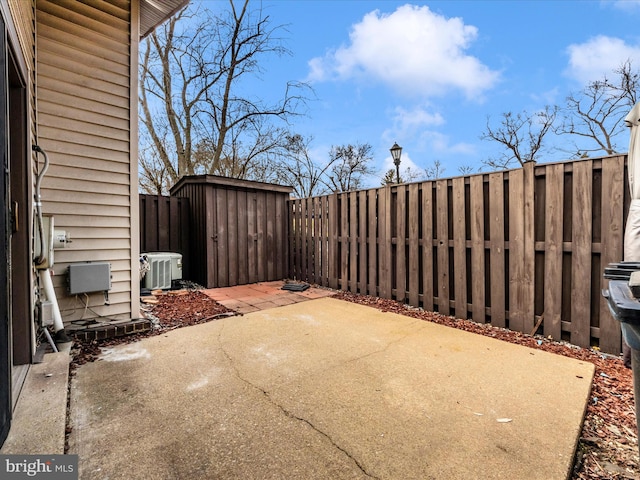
[[163, 269]]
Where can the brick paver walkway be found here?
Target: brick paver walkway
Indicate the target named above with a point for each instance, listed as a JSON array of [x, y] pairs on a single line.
[[260, 296]]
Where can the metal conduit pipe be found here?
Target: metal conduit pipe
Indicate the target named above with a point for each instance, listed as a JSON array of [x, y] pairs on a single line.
[[38, 204]]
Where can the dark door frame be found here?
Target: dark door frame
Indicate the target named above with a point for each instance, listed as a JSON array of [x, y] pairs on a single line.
[[20, 207], [5, 258]]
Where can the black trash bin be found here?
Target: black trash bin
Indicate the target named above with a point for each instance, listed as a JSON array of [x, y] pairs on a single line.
[[623, 297]]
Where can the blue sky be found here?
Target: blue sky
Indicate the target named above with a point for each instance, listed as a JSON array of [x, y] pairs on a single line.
[[428, 74]]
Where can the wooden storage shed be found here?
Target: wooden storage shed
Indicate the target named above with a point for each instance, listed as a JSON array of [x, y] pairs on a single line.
[[238, 230]]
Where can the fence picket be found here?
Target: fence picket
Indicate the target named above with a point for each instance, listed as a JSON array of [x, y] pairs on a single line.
[[477, 207], [372, 241], [344, 241], [427, 247], [581, 254], [414, 246], [353, 241], [443, 246], [554, 212], [611, 241], [497, 283], [459, 247], [362, 242], [401, 243], [516, 250], [334, 257]]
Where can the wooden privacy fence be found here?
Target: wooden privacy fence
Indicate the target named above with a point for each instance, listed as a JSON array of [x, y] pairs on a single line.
[[164, 226], [515, 249]]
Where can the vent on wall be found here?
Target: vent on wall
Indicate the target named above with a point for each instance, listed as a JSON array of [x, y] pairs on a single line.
[[163, 268]]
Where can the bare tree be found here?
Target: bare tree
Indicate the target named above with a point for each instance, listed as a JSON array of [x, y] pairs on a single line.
[[190, 77], [595, 116], [465, 170], [389, 178], [435, 171], [522, 135], [350, 164], [298, 169], [153, 177]]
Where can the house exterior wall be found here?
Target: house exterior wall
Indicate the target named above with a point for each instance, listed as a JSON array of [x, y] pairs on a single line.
[[22, 14], [86, 84]]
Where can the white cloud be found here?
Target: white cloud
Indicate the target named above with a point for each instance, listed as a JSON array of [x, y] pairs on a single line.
[[418, 117], [440, 143], [413, 50], [626, 5], [598, 56], [405, 162]]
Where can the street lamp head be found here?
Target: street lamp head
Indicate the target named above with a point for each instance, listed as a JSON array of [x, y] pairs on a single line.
[[396, 151]]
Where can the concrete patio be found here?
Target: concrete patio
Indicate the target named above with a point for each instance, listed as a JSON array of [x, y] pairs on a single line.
[[326, 389]]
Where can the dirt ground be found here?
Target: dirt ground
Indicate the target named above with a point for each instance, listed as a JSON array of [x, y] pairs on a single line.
[[608, 446]]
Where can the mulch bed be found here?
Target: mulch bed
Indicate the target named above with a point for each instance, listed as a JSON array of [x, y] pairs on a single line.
[[608, 446], [172, 311]]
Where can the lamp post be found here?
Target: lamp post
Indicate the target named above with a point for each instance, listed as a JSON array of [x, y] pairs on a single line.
[[396, 151]]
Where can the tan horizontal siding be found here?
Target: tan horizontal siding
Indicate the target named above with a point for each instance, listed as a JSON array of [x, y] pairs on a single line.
[[79, 91], [93, 138], [117, 288], [22, 13], [85, 186], [116, 8], [83, 109], [61, 122], [64, 148], [80, 78], [99, 233], [73, 222], [113, 34], [98, 50], [84, 210], [65, 256], [83, 62], [105, 200], [89, 173], [116, 266], [88, 245], [72, 308], [84, 99]]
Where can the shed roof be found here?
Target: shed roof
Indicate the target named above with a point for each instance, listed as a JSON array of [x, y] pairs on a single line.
[[154, 12], [216, 180]]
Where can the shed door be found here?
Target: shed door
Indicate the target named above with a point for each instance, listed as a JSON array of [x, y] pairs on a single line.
[[5, 342]]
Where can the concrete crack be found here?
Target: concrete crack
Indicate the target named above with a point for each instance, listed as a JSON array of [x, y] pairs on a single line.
[[386, 347], [289, 414]]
